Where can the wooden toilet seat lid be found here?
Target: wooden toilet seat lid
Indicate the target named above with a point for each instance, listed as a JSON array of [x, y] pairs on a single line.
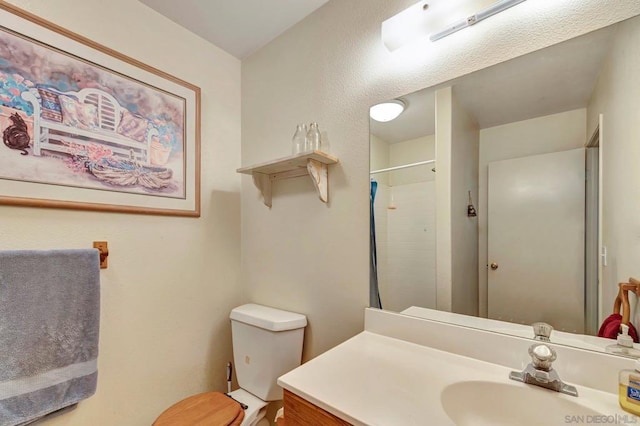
[[205, 409]]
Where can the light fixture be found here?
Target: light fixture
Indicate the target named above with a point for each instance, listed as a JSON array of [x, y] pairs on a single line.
[[475, 18], [387, 111], [409, 25], [419, 21]]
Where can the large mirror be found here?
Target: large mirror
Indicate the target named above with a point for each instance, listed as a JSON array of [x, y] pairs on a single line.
[[506, 197]]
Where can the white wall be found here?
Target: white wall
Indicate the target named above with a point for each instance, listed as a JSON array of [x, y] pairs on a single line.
[[444, 245], [456, 235], [412, 151], [330, 68], [171, 281], [464, 229], [541, 135], [616, 96], [379, 158]]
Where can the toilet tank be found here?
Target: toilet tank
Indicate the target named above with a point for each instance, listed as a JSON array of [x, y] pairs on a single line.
[[267, 343]]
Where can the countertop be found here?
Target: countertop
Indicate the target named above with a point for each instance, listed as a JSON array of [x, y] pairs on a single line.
[[376, 380]]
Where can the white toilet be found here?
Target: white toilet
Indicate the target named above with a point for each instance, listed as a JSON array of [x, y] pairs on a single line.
[[267, 343]]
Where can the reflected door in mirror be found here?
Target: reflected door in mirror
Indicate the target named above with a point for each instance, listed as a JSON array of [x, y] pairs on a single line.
[[536, 235]]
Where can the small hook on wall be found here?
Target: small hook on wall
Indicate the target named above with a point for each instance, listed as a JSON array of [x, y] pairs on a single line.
[[103, 248], [471, 211]]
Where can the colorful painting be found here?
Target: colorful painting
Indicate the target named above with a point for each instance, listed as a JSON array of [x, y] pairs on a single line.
[[93, 125]]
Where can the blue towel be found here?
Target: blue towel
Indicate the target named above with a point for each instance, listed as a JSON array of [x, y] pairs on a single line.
[[49, 324]]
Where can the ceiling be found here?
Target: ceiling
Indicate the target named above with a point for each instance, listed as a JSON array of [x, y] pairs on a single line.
[[552, 80], [555, 79], [240, 27]]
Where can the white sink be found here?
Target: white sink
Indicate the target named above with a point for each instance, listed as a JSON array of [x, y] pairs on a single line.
[[481, 403], [395, 378]]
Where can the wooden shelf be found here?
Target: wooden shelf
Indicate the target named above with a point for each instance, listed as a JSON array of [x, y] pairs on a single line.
[[312, 163]]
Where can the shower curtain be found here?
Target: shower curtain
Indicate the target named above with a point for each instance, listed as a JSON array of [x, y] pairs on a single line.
[[374, 291]]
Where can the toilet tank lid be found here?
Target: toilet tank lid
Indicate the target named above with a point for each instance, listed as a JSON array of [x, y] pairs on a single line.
[[268, 318]]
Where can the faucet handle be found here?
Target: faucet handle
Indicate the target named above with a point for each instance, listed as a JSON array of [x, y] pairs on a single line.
[[542, 356], [542, 331]]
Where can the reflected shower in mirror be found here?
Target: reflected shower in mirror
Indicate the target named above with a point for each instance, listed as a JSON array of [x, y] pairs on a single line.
[[527, 153], [403, 170]]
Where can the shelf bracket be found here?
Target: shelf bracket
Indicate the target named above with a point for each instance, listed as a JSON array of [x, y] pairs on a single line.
[[263, 183], [319, 176], [317, 171]]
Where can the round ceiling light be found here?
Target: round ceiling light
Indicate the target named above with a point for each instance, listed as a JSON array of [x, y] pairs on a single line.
[[387, 111]]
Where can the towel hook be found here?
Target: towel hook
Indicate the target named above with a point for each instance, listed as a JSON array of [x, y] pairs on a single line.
[[103, 248], [471, 210]]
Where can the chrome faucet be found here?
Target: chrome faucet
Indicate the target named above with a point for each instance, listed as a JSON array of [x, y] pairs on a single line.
[[540, 372], [542, 331]]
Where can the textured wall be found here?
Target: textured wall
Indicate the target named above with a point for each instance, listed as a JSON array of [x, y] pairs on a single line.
[[465, 139], [616, 96], [313, 258], [171, 281]]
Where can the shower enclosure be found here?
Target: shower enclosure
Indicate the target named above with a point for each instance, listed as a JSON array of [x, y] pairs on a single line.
[[403, 214]]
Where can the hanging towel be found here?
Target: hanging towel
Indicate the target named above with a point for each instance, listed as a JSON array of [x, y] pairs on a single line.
[[49, 322], [610, 328]]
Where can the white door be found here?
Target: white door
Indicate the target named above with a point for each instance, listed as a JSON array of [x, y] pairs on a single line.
[[536, 240]]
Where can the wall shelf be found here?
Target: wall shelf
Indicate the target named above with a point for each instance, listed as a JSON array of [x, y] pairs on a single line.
[[312, 163]]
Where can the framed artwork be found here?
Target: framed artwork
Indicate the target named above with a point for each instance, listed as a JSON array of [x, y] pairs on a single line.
[[85, 127]]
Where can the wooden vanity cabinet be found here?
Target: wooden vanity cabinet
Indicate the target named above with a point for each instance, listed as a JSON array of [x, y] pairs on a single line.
[[300, 412]]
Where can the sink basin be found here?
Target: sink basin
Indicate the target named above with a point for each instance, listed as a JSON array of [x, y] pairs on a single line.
[[481, 403]]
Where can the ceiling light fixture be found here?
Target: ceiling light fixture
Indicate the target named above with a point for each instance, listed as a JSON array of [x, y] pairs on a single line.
[[387, 111], [418, 21], [475, 18], [407, 26]]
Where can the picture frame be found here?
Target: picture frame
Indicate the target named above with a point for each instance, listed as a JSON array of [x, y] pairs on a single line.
[[85, 127]]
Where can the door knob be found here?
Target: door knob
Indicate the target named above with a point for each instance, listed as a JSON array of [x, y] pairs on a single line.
[[494, 266]]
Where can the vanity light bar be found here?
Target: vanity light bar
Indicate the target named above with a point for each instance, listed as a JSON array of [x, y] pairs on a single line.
[[475, 18]]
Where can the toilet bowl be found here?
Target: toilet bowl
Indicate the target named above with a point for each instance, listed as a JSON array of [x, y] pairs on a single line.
[[267, 343]]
